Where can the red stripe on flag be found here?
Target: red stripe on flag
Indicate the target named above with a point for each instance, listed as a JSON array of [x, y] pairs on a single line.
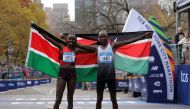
[[86, 41], [136, 50], [43, 46], [86, 58]]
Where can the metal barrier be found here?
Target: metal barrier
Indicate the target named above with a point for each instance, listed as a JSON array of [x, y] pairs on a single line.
[[178, 52]]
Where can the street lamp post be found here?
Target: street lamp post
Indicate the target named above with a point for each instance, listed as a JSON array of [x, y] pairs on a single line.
[[10, 50]]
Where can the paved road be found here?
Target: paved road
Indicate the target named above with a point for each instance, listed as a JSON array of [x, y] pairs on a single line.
[[43, 96]]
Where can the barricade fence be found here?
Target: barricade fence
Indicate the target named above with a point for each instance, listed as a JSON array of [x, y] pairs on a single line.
[[178, 51], [6, 85]]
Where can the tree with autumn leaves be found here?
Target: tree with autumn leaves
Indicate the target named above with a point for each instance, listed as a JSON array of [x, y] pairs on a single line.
[[15, 19]]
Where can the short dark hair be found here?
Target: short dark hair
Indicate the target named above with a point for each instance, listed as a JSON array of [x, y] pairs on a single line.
[[103, 32]]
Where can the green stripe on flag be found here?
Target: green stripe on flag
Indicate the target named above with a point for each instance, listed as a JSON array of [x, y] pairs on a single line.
[[86, 74], [43, 64], [131, 65]]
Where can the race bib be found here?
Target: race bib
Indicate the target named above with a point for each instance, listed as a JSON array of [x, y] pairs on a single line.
[[105, 58], [68, 57]]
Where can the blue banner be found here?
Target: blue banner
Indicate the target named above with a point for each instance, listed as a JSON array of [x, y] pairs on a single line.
[[143, 88], [183, 83], [36, 82], [122, 84], [78, 85], [43, 81], [29, 83], [49, 80], [156, 85], [12, 85], [137, 84], [131, 84], [3, 86], [21, 84]]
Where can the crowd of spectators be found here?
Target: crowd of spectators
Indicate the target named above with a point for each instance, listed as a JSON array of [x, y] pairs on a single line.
[[182, 43], [18, 72]]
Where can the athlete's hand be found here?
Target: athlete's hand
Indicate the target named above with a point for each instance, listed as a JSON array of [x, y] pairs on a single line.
[[148, 34]]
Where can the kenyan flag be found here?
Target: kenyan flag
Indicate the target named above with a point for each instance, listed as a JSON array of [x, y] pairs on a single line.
[[134, 58], [43, 55], [86, 63]]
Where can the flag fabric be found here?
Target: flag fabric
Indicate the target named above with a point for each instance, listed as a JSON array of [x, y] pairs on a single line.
[[43, 53], [135, 54], [160, 66], [126, 57], [86, 63]]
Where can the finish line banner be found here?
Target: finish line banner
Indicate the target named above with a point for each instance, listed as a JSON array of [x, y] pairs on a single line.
[[160, 82]]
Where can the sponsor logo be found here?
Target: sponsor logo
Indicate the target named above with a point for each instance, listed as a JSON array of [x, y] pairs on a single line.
[[2, 85], [20, 84], [157, 83], [144, 89], [35, 82], [151, 60], [29, 82], [122, 84], [130, 84], [157, 91], [161, 75], [136, 86], [143, 79], [184, 77], [43, 81], [154, 68], [11, 85]]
